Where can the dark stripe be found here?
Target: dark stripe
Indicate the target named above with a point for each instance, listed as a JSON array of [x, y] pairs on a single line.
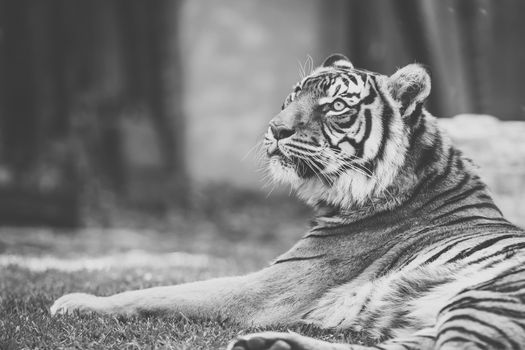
[[426, 336], [370, 98], [298, 258], [465, 253], [368, 128], [459, 197], [508, 249], [300, 148], [359, 126], [465, 301], [337, 90], [464, 340], [387, 121], [484, 196], [327, 137], [446, 249], [485, 205], [512, 311], [501, 225], [405, 346], [347, 124], [493, 343], [431, 181], [415, 116], [457, 186], [387, 114], [393, 264], [456, 240], [511, 288], [335, 126], [417, 133], [430, 154], [508, 306], [494, 281], [471, 218], [353, 142], [325, 235], [313, 142], [350, 94], [365, 168], [330, 128], [379, 347], [451, 162]]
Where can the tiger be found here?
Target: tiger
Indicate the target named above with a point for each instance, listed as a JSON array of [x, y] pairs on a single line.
[[406, 248]]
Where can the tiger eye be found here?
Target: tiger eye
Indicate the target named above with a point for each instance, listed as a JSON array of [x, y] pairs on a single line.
[[338, 106]]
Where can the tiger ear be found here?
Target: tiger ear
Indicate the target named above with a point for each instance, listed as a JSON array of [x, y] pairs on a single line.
[[338, 60], [410, 86]]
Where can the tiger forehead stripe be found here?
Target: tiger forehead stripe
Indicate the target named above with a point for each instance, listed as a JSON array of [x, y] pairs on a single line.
[[345, 85]]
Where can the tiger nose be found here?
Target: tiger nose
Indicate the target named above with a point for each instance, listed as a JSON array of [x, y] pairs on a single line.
[[281, 131]]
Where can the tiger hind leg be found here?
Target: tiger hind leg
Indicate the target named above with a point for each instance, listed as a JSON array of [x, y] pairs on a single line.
[[490, 315], [484, 315]]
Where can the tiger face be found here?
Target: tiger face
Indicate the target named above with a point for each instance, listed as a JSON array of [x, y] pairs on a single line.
[[342, 134]]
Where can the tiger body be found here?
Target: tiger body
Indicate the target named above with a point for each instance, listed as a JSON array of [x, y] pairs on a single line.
[[408, 249]]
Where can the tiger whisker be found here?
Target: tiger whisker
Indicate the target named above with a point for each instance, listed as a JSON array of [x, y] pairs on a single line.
[[302, 72], [338, 158], [254, 148]]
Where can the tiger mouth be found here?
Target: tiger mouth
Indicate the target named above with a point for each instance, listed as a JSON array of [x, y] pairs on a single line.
[[273, 151], [300, 166]]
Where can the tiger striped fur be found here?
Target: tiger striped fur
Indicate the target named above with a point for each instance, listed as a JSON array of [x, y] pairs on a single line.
[[408, 249], [419, 255]]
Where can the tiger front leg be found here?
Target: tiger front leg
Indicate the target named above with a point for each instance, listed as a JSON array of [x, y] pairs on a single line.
[[257, 299], [203, 299]]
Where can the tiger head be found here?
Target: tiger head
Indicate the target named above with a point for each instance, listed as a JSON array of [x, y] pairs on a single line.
[[342, 135]]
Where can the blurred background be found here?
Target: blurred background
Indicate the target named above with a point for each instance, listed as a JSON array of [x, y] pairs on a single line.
[[143, 113], [129, 129]]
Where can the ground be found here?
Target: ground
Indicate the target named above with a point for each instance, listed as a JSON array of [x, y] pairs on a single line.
[[37, 265], [225, 234]]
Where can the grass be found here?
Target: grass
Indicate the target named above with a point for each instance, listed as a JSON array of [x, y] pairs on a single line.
[[26, 323], [38, 265], [228, 235]]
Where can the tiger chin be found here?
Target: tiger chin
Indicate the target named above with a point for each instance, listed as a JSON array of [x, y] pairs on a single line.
[[407, 248]]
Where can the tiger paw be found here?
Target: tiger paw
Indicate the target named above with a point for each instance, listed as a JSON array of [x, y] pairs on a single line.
[[286, 341], [280, 341], [261, 341], [81, 302]]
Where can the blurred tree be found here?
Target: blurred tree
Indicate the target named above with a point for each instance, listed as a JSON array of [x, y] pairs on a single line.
[[71, 72], [472, 47], [31, 165], [154, 78]]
